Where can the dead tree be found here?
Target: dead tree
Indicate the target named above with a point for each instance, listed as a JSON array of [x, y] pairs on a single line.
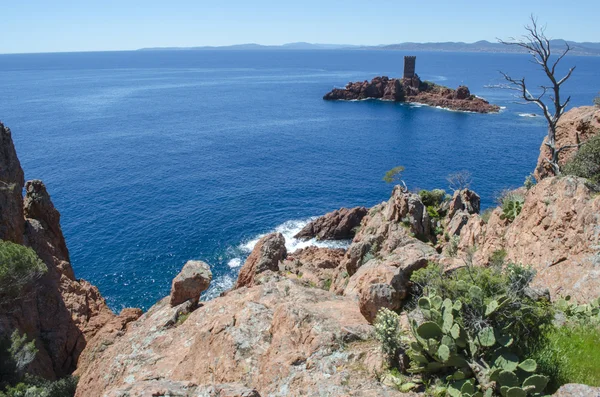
[[538, 45]]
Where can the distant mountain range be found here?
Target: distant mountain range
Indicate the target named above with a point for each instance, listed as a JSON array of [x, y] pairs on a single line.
[[586, 48]]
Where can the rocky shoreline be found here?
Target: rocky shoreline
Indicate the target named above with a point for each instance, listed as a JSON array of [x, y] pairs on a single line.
[[296, 323], [413, 90]]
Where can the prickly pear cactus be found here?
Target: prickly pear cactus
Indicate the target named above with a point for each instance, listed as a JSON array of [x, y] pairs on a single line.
[[481, 363]]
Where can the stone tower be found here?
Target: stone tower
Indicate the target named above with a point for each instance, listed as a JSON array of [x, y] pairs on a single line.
[[409, 66]]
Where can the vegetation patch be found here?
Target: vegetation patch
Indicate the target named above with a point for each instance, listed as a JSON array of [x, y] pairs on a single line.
[[19, 265], [586, 163]]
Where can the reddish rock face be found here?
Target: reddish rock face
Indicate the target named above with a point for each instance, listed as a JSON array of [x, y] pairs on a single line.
[[278, 338], [315, 265], [11, 187], [413, 90], [60, 312], [557, 232], [462, 92], [266, 255], [194, 278], [337, 225], [576, 126]]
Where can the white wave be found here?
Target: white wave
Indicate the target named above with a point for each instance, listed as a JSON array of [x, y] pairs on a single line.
[[219, 285], [234, 263], [528, 115], [289, 229]]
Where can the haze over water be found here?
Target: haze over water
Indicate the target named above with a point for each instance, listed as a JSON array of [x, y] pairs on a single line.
[[154, 158]]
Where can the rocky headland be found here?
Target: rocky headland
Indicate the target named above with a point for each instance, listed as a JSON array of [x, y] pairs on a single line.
[[413, 90], [295, 323]]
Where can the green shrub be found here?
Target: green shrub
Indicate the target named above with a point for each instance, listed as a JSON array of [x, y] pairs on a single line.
[[570, 354], [452, 247], [19, 266], [433, 213], [586, 162], [597, 101], [497, 258], [37, 387], [432, 198], [387, 332], [475, 327], [588, 313], [16, 353], [529, 181]]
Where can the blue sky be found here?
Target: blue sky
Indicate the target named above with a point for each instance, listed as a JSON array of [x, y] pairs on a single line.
[[59, 25]]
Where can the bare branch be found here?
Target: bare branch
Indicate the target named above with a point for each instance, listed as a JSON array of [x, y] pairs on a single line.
[[539, 46]]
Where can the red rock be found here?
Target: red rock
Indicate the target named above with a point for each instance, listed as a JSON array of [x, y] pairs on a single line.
[[413, 90], [337, 225], [194, 278], [277, 338], [58, 311], [576, 126], [266, 255]]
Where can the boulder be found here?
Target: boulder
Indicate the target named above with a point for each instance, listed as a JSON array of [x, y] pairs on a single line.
[[384, 283], [575, 126], [337, 225], [266, 255], [376, 297], [194, 278]]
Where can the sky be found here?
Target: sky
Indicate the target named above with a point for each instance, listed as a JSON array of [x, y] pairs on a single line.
[[90, 25]]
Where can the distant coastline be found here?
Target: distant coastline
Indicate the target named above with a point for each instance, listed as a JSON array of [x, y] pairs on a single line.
[[577, 48]]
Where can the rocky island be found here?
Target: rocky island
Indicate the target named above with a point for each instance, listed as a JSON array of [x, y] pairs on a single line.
[[411, 89]]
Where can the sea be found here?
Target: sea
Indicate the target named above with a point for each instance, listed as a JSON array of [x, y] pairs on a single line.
[[154, 158]]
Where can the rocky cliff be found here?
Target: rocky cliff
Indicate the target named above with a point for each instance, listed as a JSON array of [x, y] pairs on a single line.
[[299, 324], [296, 323], [575, 127], [58, 311], [413, 90]]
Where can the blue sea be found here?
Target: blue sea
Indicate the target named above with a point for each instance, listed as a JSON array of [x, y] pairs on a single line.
[[154, 158]]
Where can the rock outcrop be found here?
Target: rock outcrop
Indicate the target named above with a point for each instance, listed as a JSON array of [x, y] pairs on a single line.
[[337, 225], [575, 127], [557, 232], [464, 203], [194, 278], [279, 338], [11, 189], [376, 269], [58, 311], [413, 90], [314, 265], [266, 255]]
